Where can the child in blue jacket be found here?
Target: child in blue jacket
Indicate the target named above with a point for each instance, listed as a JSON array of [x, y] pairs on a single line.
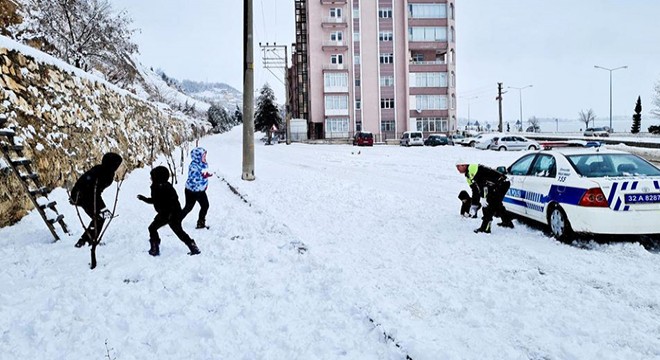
[[196, 186]]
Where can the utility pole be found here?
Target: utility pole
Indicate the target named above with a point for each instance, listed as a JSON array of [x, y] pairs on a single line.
[[248, 94], [275, 61], [499, 99]]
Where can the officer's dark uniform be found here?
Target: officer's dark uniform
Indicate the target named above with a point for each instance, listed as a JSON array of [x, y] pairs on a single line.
[[492, 185]]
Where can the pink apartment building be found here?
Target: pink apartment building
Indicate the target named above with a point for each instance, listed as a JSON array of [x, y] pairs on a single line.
[[382, 66]]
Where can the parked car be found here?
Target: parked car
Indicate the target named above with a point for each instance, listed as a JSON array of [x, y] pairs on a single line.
[[586, 190], [412, 138], [484, 141], [437, 139], [599, 131], [511, 142], [456, 139], [363, 138]]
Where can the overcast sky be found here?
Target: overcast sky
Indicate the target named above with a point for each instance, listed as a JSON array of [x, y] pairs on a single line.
[[552, 45]]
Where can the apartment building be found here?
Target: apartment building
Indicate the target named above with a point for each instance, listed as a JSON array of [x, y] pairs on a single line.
[[383, 66]]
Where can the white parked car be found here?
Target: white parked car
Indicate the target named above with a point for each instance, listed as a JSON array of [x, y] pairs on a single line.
[[586, 190], [514, 142], [484, 141], [602, 132], [412, 138]]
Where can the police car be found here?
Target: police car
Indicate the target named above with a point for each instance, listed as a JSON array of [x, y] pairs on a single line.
[[586, 190]]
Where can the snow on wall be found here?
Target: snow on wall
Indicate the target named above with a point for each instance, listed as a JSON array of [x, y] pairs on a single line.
[[68, 119]]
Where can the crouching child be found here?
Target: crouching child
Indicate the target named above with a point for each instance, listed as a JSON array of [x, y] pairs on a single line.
[[168, 211], [467, 209]]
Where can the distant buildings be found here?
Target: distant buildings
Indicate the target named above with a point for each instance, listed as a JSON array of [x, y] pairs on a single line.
[[383, 66]]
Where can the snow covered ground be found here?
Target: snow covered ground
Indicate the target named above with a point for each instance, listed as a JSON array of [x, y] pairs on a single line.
[[391, 270]]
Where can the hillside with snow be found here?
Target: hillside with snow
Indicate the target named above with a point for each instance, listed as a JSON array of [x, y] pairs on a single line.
[[332, 252]]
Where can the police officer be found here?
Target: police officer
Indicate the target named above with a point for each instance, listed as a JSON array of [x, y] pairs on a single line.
[[489, 185]]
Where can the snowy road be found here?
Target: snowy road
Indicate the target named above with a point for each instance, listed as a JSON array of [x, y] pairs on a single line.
[[385, 241]]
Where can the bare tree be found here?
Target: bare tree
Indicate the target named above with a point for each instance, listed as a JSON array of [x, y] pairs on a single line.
[[587, 117], [656, 100], [534, 125], [84, 33]]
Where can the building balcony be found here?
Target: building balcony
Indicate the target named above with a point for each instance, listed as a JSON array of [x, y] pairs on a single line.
[[335, 89], [336, 112], [336, 2], [334, 45], [334, 22], [334, 67], [427, 66], [428, 45]]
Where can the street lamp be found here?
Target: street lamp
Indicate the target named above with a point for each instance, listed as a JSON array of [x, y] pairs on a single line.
[[520, 89], [468, 100], [610, 70]]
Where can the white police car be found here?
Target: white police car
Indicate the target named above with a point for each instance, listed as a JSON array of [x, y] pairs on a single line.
[[586, 190]]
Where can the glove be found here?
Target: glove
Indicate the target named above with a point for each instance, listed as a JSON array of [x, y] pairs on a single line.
[[105, 213], [142, 197], [484, 202], [473, 210]]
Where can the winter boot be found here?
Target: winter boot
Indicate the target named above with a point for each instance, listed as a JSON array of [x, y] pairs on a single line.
[[194, 250], [506, 224], [84, 240], [154, 250], [484, 228], [201, 224]]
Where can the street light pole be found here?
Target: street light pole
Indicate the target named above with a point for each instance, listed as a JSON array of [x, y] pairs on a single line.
[[610, 70], [468, 100], [520, 89]]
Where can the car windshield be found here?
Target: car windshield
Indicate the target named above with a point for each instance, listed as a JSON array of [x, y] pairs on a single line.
[[603, 165], [415, 135], [367, 135]]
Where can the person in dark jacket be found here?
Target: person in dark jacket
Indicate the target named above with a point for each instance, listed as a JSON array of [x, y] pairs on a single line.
[[467, 210], [196, 186], [489, 185], [168, 211], [87, 191]]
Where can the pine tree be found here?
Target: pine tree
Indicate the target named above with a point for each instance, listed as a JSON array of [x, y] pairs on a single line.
[[238, 116], [267, 114], [637, 118]]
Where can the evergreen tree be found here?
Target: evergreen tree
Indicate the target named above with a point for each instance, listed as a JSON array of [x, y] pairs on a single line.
[[238, 116], [637, 117], [267, 114]]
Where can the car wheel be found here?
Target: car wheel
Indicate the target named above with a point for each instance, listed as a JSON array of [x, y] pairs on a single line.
[[532, 147], [472, 143], [501, 148], [559, 224]]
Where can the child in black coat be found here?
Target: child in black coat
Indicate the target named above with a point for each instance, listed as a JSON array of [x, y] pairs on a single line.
[[168, 211], [87, 191]]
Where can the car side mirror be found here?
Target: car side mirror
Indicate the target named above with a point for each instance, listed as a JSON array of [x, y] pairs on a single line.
[[502, 169]]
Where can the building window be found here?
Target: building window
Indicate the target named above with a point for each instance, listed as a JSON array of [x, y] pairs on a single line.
[[429, 102], [358, 104], [432, 124], [427, 11], [356, 59], [387, 103], [427, 33], [336, 102], [356, 36], [357, 82], [428, 79], [336, 125], [452, 34], [385, 13], [337, 59], [386, 58], [385, 36], [336, 36], [335, 12], [387, 125], [417, 57], [356, 13], [387, 80], [336, 79]]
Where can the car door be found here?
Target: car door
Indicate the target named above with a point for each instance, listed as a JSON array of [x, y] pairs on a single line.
[[514, 201], [542, 176]]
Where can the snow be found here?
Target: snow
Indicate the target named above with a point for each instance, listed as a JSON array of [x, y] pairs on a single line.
[[388, 256]]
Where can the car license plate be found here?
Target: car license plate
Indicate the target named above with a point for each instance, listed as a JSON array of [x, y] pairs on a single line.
[[642, 198]]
